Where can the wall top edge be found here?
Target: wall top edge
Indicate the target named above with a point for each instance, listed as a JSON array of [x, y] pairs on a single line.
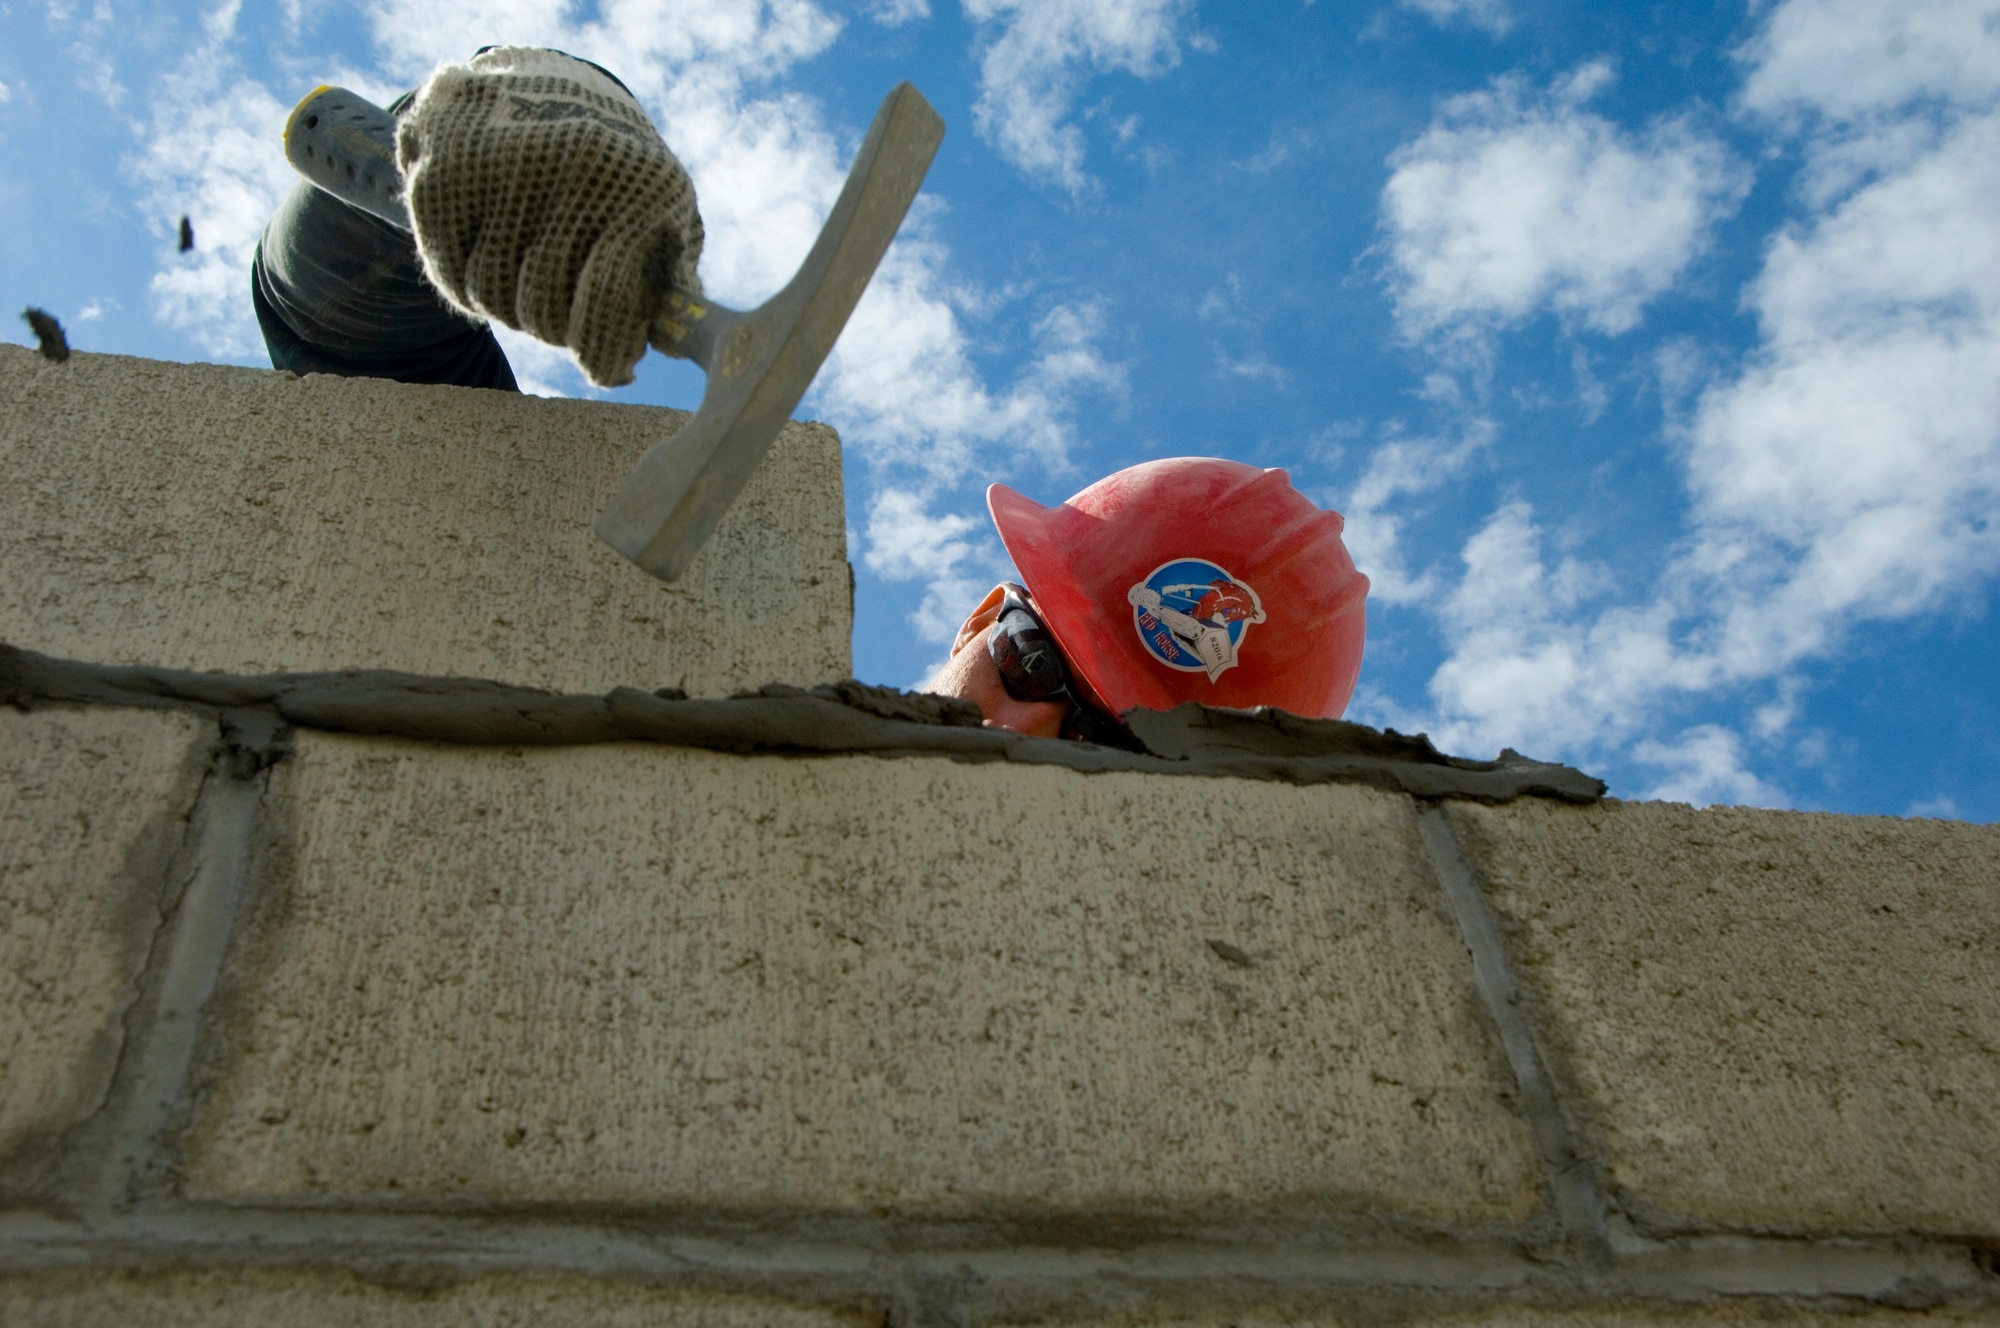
[[837, 718], [19, 362]]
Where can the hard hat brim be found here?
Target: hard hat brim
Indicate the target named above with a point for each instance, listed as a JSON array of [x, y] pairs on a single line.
[[1038, 539]]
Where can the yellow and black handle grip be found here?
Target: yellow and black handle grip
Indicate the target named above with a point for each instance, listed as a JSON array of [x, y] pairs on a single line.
[[346, 145]]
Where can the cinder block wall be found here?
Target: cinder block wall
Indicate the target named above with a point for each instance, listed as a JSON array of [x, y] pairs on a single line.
[[245, 521], [486, 986]]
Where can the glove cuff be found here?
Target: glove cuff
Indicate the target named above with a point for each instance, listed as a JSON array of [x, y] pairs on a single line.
[[539, 62]]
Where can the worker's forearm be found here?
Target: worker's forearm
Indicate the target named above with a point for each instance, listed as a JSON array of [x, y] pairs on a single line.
[[338, 291]]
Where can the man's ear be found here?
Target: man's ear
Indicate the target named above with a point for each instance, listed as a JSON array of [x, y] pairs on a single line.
[[981, 618]]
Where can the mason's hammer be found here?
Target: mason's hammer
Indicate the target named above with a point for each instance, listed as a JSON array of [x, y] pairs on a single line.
[[759, 364]]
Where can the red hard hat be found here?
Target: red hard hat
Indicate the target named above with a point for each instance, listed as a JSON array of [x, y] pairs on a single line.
[[1193, 579]]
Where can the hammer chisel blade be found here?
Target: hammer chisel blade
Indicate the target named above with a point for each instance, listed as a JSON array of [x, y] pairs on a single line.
[[760, 363]]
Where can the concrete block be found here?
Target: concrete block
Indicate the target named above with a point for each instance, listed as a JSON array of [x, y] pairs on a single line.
[[204, 517], [313, 1298], [1771, 1019], [645, 975], [92, 806]]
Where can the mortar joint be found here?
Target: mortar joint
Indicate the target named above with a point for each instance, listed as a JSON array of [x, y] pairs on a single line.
[[256, 738]]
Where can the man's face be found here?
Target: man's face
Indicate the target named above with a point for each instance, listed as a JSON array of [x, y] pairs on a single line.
[[970, 673]]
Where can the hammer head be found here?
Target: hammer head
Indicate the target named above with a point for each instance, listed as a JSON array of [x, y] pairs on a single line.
[[760, 363]]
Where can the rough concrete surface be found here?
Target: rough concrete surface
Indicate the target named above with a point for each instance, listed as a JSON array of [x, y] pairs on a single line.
[[92, 807], [309, 1298], [1772, 1020], [638, 975], [205, 517]]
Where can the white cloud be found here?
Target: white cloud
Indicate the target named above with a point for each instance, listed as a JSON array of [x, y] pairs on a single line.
[[1399, 468], [1031, 70], [1255, 366], [895, 13], [1226, 306], [97, 72], [903, 391], [713, 44], [1942, 807], [1513, 202], [1486, 15], [1591, 394], [542, 370], [5, 95], [1846, 474], [1278, 151], [956, 555], [1529, 667], [906, 541], [1705, 765], [1861, 449], [210, 152], [1854, 59], [902, 383]]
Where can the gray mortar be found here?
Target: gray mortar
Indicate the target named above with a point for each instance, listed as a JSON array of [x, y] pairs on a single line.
[[821, 1263], [1573, 1185], [116, 1153], [193, 962], [837, 718]]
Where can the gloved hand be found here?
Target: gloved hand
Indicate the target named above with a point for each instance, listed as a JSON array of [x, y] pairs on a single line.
[[543, 197]]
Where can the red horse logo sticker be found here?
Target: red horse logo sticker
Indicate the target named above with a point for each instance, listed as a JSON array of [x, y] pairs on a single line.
[[1192, 615]]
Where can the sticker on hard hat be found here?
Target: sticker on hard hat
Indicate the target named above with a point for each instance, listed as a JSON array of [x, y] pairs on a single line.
[[1192, 615]]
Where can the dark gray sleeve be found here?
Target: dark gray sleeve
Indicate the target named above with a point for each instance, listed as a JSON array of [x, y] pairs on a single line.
[[338, 291]]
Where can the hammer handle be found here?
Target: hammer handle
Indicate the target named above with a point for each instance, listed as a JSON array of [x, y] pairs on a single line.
[[346, 145]]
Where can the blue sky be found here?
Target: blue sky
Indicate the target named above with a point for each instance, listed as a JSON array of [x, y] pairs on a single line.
[[1652, 352]]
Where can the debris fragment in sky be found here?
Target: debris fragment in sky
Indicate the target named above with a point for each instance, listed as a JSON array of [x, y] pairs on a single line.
[[54, 345]]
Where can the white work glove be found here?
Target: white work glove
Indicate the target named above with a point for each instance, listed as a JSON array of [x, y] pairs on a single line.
[[543, 197]]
